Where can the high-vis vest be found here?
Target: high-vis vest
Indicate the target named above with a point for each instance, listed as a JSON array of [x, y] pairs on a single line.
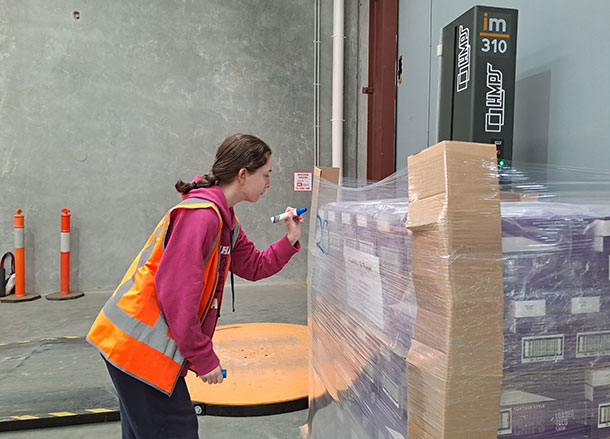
[[130, 331]]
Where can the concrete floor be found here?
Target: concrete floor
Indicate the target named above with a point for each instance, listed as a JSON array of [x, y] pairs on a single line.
[[38, 376]]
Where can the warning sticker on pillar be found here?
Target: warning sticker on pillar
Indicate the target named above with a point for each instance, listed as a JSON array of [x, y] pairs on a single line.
[[303, 181]]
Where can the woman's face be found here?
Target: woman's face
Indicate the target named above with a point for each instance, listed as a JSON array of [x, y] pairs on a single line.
[[258, 182]]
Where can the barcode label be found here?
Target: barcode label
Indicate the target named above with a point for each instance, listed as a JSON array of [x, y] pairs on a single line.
[[591, 344], [505, 422], [603, 416], [542, 348]]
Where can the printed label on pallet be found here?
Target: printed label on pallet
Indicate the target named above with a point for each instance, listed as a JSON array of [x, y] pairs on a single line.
[[603, 416], [505, 422], [592, 344], [542, 348]]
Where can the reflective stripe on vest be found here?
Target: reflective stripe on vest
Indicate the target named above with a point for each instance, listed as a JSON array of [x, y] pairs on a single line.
[[131, 331]]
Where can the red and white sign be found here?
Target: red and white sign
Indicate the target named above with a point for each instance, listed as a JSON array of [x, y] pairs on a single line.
[[303, 181]]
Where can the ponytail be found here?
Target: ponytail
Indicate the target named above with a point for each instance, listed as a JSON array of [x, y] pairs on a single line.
[[208, 180]]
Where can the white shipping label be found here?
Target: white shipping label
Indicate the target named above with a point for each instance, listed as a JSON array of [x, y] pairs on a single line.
[[601, 227], [331, 215], [597, 377], [584, 305], [364, 284], [361, 220], [346, 218], [383, 226], [530, 308]]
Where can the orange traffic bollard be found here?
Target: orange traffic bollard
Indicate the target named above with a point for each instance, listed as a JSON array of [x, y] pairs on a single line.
[[64, 283], [20, 294]]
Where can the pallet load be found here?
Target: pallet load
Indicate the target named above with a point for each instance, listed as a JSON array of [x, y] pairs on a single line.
[[444, 304]]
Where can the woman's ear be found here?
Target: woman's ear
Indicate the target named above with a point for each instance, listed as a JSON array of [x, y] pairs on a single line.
[[241, 175]]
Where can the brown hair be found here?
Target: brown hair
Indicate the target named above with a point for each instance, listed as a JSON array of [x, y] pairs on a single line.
[[234, 153]]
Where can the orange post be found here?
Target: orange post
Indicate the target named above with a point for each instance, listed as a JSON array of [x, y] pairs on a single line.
[[20, 294], [64, 262], [19, 225], [65, 252]]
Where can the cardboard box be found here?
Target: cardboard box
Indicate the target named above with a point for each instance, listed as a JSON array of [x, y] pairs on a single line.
[[525, 415], [445, 401], [455, 361]]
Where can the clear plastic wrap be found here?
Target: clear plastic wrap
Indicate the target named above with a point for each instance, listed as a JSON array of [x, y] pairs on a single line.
[[358, 353], [445, 305]]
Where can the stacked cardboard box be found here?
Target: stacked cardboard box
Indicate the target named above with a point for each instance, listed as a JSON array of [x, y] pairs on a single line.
[[542, 404], [455, 362]]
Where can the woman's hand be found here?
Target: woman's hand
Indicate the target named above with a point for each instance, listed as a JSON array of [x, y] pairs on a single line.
[[293, 226], [213, 377]]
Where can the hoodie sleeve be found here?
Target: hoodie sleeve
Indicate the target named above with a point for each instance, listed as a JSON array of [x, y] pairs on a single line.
[[253, 264], [179, 281]]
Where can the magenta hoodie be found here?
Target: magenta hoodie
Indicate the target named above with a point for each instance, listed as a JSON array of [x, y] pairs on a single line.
[[179, 279]]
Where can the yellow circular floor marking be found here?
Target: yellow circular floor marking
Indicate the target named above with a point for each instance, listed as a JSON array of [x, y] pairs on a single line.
[[266, 363]]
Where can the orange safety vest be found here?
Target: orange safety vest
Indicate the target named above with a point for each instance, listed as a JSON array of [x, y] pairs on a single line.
[[130, 331]]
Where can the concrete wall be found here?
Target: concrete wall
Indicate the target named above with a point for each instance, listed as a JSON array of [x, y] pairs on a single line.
[[103, 114], [562, 90]]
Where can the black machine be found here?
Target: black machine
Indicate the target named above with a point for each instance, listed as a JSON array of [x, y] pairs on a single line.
[[477, 91]]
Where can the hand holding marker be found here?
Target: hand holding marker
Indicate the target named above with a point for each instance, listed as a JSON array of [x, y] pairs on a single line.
[[286, 215]]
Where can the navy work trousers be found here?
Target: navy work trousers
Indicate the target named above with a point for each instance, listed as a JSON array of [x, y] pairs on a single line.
[[146, 413]]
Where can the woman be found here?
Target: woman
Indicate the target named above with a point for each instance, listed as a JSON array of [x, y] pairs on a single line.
[[159, 322]]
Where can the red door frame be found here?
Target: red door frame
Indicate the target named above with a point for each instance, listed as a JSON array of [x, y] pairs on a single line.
[[383, 46]]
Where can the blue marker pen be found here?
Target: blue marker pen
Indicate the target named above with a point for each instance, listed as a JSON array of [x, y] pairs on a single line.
[[224, 372], [283, 216]]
